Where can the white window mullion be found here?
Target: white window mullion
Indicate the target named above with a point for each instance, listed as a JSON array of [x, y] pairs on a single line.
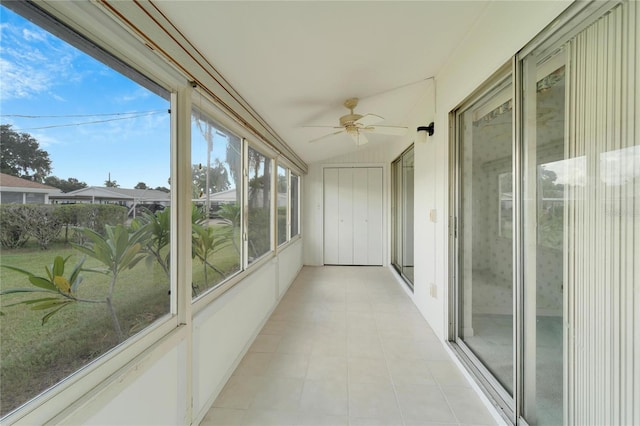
[[244, 221]]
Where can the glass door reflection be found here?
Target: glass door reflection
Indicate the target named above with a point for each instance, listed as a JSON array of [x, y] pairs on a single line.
[[402, 209], [485, 249]]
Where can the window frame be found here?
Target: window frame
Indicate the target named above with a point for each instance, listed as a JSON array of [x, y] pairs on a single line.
[[207, 109], [287, 226], [298, 233], [272, 205]]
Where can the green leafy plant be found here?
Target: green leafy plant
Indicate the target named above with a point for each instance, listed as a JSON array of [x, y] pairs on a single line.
[[60, 290], [231, 213], [205, 242], [157, 226], [118, 250]]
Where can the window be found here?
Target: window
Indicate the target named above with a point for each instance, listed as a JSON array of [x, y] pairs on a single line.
[[99, 129], [283, 201], [216, 192], [258, 205], [295, 206]]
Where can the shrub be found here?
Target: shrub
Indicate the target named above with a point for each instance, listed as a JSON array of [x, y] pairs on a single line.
[[92, 216], [42, 223], [13, 230]]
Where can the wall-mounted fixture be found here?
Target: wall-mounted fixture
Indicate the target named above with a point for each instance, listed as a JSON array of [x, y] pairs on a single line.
[[423, 131]]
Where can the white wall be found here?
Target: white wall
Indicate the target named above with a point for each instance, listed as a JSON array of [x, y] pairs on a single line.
[[150, 393]]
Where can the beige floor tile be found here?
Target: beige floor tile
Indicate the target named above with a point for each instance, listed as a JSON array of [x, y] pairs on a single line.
[[330, 346], [359, 305], [325, 397], [467, 406], [327, 368], [281, 394], [346, 346], [293, 366], [415, 373], [316, 419], [367, 401], [239, 392], [376, 421], [299, 343], [223, 417], [266, 417], [368, 370], [265, 343], [422, 403], [446, 373], [276, 327], [365, 346], [254, 364], [329, 330]]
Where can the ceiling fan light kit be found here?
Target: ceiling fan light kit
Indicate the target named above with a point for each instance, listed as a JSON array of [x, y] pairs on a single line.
[[356, 125]]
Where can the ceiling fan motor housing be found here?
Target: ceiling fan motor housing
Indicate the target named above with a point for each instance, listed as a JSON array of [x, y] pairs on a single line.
[[349, 119]]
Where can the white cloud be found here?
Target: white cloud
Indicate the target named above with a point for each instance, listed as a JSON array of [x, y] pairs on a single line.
[[33, 62], [45, 140], [33, 35], [136, 95]]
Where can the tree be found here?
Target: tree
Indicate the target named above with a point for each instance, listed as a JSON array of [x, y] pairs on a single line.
[[20, 155], [162, 188], [111, 183], [218, 178], [141, 185], [66, 185]]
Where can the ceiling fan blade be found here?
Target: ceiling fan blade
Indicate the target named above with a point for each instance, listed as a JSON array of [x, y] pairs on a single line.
[[360, 139], [368, 120], [327, 136], [321, 127], [386, 130]]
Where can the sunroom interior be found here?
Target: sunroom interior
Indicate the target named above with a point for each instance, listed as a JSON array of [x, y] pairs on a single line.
[[376, 246]]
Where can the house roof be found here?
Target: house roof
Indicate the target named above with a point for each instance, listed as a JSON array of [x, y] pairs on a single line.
[[116, 194], [15, 184], [228, 196]]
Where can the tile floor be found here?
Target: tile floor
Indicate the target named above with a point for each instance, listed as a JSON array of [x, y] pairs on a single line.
[[346, 346]]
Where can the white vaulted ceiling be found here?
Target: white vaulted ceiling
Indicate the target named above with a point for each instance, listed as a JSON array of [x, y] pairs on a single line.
[[296, 62]]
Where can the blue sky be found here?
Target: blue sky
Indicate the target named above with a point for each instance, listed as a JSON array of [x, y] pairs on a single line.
[[41, 75]]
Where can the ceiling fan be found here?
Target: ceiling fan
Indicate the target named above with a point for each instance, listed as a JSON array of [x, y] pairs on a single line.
[[356, 125]]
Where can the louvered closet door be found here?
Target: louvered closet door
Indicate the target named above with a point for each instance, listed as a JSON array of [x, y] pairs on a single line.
[[353, 216], [345, 213], [331, 217], [374, 216]]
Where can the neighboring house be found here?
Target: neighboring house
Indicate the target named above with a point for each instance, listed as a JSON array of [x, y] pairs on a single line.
[[104, 195], [15, 190]]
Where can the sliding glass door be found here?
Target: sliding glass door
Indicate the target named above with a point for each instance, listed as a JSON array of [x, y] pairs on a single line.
[[547, 172], [485, 229], [545, 195], [402, 205]]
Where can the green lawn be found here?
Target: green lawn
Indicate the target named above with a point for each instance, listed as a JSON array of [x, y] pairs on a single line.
[[33, 357]]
